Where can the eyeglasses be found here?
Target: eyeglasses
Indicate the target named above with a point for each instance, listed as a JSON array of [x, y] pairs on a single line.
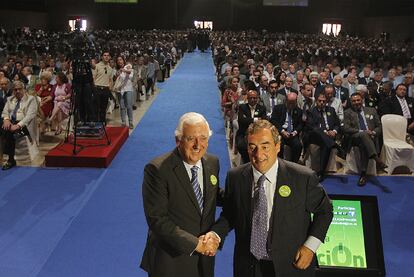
[[193, 139], [252, 97]]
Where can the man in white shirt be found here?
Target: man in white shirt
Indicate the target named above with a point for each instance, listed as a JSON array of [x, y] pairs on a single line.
[[271, 237]]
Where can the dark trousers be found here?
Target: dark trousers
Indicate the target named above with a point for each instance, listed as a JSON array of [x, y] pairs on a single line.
[[84, 103], [295, 148], [325, 144], [10, 139], [241, 144], [264, 269], [366, 147], [102, 98]]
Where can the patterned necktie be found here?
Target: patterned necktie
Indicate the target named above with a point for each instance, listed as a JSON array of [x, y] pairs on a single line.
[[14, 113], [196, 187], [323, 122], [362, 125], [304, 111], [289, 127], [258, 239], [338, 93], [404, 108]]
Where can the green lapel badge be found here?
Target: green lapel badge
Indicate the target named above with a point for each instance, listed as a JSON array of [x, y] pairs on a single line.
[[284, 191], [213, 180]]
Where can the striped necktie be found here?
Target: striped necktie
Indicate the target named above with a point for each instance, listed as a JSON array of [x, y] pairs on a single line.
[[14, 113], [404, 108], [196, 186]]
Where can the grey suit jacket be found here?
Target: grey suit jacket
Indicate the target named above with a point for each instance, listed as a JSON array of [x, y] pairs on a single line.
[[290, 223], [351, 125], [351, 121], [265, 99], [174, 218]]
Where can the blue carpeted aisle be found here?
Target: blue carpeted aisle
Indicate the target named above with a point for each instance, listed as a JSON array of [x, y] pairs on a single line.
[[90, 222]]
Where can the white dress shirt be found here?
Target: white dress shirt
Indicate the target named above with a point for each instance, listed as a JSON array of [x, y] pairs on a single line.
[[199, 164]]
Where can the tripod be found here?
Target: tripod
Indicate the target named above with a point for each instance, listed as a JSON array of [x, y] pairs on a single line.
[[82, 109]]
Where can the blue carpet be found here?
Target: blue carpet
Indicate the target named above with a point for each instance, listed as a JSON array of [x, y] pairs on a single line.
[[90, 222]]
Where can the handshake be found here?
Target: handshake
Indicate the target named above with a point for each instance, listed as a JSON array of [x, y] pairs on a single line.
[[208, 244]]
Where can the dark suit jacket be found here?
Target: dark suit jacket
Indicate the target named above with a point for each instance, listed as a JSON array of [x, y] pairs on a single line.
[[279, 118], [245, 118], [314, 119], [3, 98], [174, 217], [282, 91], [363, 81], [290, 223], [318, 89], [391, 105], [351, 125], [344, 92]]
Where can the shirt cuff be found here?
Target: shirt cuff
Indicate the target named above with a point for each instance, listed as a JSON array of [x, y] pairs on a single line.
[[218, 237], [312, 243]]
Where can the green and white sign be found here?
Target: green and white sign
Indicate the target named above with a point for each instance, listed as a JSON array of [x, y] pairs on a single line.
[[344, 244]]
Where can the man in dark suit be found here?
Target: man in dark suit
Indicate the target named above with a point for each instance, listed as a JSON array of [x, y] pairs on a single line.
[[366, 78], [273, 98], [268, 203], [288, 120], [402, 105], [288, 87], [248, 113], [263, 85], [362, 127], [322, 128], [180, 192], [323, 80], [341, 92], [4, 92]]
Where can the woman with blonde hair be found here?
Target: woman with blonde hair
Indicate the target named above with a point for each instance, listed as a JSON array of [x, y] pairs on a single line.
[[43, 90]]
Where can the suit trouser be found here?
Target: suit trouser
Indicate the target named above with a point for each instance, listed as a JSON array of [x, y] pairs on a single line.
[[10, 139], [325, 144], [295, 148], [366, 147], [264, 269], [84, 101], [242, 148], [102, 98]]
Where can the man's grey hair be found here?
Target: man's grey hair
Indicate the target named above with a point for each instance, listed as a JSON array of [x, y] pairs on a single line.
[[314, 73], [190, 118], [361, 88]]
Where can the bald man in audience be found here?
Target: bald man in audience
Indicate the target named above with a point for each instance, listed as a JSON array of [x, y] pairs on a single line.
[[288, 120]]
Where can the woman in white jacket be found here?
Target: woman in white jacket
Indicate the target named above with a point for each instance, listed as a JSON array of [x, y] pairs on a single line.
[[125, 74]]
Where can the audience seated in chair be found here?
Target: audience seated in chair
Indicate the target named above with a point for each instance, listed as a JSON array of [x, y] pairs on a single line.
[[248, 113], [45, 93], [288, 120], [62, 93], [362, 128], [322, 127], [18, 114]]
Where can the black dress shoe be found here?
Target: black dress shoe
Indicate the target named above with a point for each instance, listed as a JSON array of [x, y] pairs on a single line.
[[321, 176], [9, 164], [381, 166], [362, 181]]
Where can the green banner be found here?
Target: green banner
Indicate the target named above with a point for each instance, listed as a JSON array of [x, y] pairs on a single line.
[[344, 244]]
